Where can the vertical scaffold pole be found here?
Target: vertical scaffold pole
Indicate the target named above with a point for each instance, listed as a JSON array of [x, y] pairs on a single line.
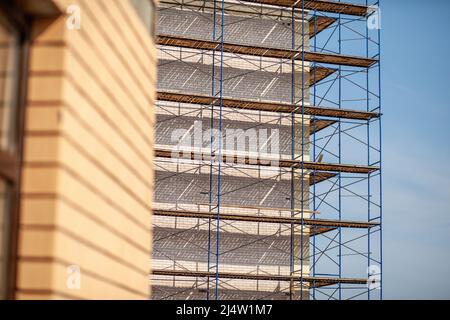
[[368, 154], [381, 155], [211, 161], [314, 159], [340, 156], [292, 198], [302, 175], [219, 173]]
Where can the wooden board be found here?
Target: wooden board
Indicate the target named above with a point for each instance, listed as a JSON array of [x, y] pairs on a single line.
[[265, 106], [318, 57], [319, 5], [264, 219], [318, 24], [320, 124], [313, 281], [305, 165]]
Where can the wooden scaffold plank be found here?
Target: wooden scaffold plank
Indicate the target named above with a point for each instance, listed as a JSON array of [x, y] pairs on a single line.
[[313, 281], [265, 106], [318, 57], [320, 5], [281, 163]]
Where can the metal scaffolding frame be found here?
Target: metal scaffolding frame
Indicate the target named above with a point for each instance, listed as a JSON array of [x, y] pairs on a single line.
[[338, 108]]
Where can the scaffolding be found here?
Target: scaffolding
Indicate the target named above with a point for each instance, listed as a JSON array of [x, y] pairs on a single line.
[[268, 151]]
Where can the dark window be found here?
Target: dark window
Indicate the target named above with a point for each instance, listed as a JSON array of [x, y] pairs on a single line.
[[4, 246], [9, 75], [146, 11], [12, 48]]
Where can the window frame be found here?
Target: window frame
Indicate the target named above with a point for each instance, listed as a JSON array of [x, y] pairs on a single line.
[[11, 163]]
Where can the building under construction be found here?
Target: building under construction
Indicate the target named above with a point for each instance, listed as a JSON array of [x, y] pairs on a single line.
[[268, 151]]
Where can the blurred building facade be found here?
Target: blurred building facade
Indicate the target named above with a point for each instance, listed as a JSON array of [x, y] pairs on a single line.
[[76, 114]]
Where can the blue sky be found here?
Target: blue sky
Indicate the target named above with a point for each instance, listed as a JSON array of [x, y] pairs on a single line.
[[416, 95]]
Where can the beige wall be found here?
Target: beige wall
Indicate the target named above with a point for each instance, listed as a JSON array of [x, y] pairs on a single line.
[[87, 176]]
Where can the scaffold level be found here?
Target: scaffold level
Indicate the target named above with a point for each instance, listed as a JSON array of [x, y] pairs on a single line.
[[319, 5], [312, 281], [268, 52], [268, 155], [235, 159], [267, 219], [265, 106]]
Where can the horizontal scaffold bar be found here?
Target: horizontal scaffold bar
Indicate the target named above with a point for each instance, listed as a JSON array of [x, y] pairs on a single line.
[[265, 219], [192, 43], [281, 163], [313, 281], [265, 106], [320, 5]]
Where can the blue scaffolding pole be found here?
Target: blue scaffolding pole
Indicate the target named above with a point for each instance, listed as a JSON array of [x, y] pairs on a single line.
[[219, 170], [302, 175]]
